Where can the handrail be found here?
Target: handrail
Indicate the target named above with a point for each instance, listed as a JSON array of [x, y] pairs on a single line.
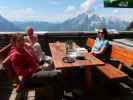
[[4, 51]]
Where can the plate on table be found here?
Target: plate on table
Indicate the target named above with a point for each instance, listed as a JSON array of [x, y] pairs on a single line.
[[81, 50], [68, 60]]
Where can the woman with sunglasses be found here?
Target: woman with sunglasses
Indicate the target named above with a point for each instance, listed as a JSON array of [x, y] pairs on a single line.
[[101, 45]]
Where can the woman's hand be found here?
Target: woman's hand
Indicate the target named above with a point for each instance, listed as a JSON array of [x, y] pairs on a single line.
[[92, 53], [20, 78]]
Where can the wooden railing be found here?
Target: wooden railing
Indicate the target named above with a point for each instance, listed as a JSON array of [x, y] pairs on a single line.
[[79, 37]]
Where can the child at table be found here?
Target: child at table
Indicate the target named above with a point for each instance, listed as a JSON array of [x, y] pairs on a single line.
[[34, 47]]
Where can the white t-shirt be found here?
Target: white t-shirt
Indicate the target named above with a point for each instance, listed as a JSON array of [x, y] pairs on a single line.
[[38, 52]]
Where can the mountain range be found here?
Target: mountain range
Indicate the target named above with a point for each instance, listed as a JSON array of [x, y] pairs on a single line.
[[6, 25], [82, 22]]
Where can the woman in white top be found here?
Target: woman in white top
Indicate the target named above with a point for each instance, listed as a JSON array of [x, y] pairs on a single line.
[[34, 47]]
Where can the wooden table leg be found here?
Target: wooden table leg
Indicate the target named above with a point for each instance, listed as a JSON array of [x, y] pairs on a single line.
[[88, 80]]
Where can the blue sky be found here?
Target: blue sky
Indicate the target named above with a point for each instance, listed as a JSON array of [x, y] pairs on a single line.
[[58, 10]]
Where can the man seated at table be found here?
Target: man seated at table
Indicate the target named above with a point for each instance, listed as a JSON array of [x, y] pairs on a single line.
[[28, 70], [101, 45], [34, 47]]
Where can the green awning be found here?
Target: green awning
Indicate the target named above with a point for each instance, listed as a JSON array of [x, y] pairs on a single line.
[[118, 3]]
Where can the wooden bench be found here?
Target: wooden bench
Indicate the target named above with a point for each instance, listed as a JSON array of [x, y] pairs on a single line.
[[123, 55]]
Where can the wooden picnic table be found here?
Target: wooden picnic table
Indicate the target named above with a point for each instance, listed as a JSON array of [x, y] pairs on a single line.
[[58, 52]]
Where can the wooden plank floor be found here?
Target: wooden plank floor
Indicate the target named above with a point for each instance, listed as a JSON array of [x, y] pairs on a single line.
[[99, 92], [18, 96]]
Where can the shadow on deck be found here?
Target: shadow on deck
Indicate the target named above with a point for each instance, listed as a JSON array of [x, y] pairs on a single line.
[[99, 91]]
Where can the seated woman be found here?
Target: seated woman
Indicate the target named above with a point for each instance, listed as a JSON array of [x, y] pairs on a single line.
[[101, 45], [34, 47], [28, 70]]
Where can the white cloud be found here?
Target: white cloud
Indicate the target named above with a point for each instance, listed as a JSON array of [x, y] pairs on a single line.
[[120, 15], [18, 14], [87, 5], [69, 12], [22, 14], [70, 8], [125, 14], [72, 11], [115, 11], [98, 6], [55, 18], [55, 2]]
